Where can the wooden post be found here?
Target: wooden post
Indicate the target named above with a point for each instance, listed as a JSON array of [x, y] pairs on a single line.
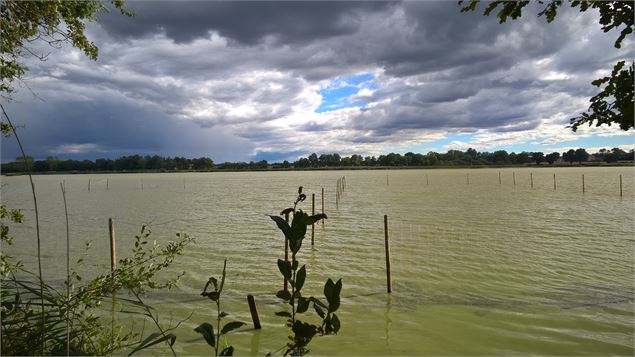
[[583, 183], [88, 185], [554, 182], [286, 251], [427, 181], [500, 182], [514, 177], [113, 251], [141, 185], [254, 312], [468, 178], [387, 184], [113, 266], [531, 178], [106, 184], [388, 280], [322, 204], [313, 214], [184, 184], [621, 185]]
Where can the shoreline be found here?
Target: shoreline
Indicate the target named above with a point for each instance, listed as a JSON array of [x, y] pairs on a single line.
[[341, 168]]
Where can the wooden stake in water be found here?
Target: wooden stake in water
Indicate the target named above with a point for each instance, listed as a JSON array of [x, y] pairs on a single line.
[[286, 251], [582, 183], [387, 181], [427, 181], [254, 312], [468, 178], [531, 178], [621, 185], [387, 245], [554, 182], [500, 182], [313, 214], [106, 184], [88, 185], [322, 204], [113, 266], [113, 252], [514, 177]]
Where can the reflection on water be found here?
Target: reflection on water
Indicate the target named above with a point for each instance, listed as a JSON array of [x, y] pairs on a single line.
[[505, 269]]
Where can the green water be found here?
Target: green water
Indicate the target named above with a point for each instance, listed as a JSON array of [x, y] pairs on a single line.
[[478, 269]]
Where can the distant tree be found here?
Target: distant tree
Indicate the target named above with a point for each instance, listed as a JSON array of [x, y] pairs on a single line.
[[523, 158], [553, 157], [581, 155], [313, 160], [569, 156], [500, 157], [203, 163], [538, 157], [615, 103]]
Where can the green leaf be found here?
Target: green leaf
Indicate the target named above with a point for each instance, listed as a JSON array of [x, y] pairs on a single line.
[[227, 351], [298, 227], [329, 286], [303, 305], [299, 278], [207, 330], [283, 314], [284, 295], [152, 340], [283, 226], [285, 268], [309, 220], [304, 329], [335, 322], [319, 310], [295, 246], [231, 326]]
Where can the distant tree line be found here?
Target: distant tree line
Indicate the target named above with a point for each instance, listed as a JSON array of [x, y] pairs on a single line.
[[124, 163], [470, 157], [463, 158]]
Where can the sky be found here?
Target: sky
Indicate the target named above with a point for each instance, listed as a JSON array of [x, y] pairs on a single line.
[[242, 81]]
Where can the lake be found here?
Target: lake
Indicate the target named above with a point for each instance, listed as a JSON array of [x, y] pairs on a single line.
[[478, 268]]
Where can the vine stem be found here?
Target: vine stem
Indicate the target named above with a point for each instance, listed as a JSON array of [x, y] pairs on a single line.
[[37, 223]]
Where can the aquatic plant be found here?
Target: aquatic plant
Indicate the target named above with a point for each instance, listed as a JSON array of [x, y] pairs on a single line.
[[206, 329], [71, 322], [303, 332]]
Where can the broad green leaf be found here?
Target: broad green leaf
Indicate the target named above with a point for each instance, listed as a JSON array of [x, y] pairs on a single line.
[[227, 351], [299, 278], [283, 314], [319, 310], [329, 286], [303, 305], [335, 322], [230, 326], [285, 268], [283, 226], [284, 295], [309, 220], [207, 330], [298, 227]]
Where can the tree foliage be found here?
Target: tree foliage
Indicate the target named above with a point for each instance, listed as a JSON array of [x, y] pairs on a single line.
[[614, 103], [25, 24]]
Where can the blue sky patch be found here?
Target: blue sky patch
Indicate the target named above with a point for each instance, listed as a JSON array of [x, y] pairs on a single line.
[[337, 94]]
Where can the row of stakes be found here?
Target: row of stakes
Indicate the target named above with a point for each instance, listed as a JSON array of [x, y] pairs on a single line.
[[531, 180]]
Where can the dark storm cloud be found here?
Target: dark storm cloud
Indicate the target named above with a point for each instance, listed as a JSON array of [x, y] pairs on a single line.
[[246, 22], [238, 79]]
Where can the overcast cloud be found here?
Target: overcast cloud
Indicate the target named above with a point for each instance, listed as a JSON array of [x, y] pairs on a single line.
[[243, 81]]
